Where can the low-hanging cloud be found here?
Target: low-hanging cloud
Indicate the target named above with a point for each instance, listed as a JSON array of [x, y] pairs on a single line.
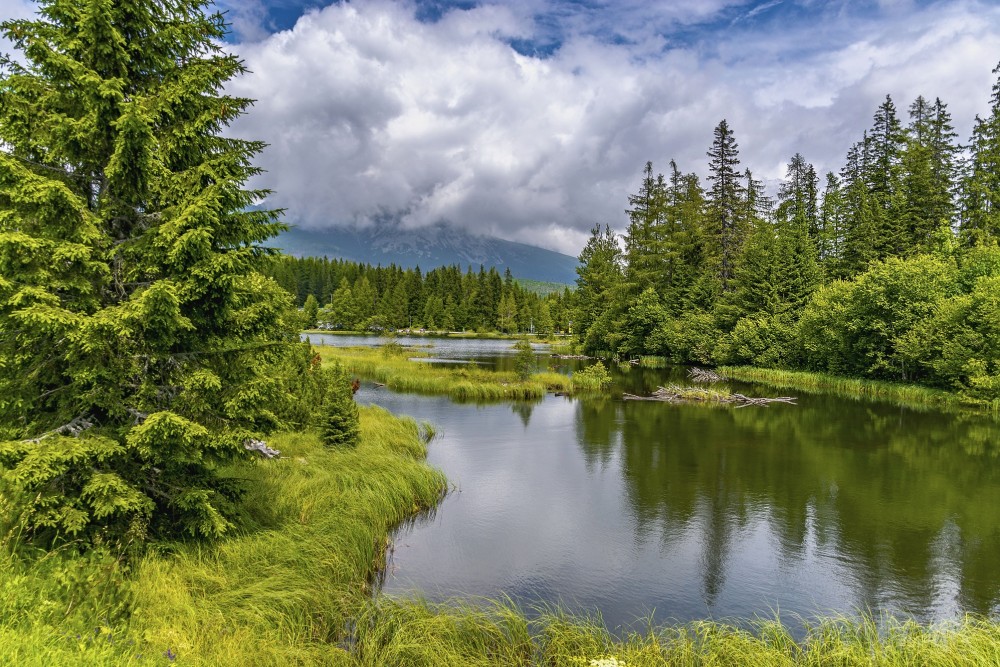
[[374, 115]]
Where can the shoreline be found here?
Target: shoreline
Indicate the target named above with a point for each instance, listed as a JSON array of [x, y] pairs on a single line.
[[906, 395]]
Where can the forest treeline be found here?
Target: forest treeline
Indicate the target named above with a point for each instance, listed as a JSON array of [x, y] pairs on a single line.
[[888, 269], [341, 294]]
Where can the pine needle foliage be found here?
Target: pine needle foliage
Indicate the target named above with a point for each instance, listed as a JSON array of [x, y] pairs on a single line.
[[137, 334], [340, 426]]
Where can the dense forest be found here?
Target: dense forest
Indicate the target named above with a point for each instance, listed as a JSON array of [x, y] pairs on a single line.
[[340, 294], [889, 269]]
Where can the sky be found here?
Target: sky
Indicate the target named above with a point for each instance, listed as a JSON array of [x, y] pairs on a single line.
[[531, 120]]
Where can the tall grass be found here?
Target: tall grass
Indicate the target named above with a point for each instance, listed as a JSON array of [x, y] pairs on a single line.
[[462, 382], [418, 634], [653, 361], [907, 395], [315, 532], [63, 608], [414, 633]]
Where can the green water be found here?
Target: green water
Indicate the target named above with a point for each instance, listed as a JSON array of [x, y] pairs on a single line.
[[630, 508]]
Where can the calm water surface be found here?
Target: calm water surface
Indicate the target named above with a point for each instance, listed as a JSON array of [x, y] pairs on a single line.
[[687, 512]]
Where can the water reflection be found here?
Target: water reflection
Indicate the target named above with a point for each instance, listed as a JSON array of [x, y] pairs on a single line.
[[905, 499], [828, 506]]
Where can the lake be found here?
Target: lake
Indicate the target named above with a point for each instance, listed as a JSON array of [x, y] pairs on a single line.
[[683, 512]]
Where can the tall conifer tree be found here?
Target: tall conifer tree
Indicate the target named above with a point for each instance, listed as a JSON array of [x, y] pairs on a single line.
[[600, 276], [830, 239], [644, 237], [859, 221], [725, 226], [136, 333], [981, 181], [927, 174], [885, 145]]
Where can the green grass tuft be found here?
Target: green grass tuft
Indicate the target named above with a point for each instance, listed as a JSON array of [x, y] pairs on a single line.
[[316, 532], [906, 395], [418, 634], [462, 382]]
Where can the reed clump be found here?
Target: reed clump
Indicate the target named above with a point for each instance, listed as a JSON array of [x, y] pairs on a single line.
[[416, 633], [592, 378], [653, 361], [462, 382], [907, 395]]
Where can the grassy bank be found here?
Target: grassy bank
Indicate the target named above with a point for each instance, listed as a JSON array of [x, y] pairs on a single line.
[[462, 382], [908, 395], [498, 635], [293, 587], [284, 592], [281, 590]]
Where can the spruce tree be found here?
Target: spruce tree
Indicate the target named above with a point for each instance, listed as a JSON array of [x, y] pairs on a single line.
[[885, 144], [927, 167], [778, 267], [980, 221], [138, 338], [944, 168], [799, 271], [798, 195], [831, 226], [859, 247], [310, 312], [341, 425], [688, 208], [599, 278], [725, 227], [644, 236]]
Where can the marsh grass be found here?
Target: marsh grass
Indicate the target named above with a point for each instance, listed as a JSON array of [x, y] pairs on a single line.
[[593, 378], [416, 633], [462, 382], [314, 535], [62, 608], [654, 362], [906, 395], [554, 381]]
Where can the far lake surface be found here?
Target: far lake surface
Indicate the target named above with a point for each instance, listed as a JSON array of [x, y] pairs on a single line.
[[629, 509]]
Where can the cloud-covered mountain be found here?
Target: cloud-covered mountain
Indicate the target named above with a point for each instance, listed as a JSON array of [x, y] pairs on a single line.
[[428, 248], [532, 120]]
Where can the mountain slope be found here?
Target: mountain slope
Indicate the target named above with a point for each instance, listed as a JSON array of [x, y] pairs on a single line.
[[428, 248]]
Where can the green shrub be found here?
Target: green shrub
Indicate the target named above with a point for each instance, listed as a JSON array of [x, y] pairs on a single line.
[[758, 340], [524, 360], [592, 378]]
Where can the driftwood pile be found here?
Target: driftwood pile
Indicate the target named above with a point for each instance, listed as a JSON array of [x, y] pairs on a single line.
[[677, 394], [704, 375], [571, 356]]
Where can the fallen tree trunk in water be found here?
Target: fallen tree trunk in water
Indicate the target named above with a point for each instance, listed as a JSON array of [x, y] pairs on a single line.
[[676, 394]]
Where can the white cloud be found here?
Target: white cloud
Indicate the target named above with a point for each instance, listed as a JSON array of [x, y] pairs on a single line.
[[248, 19], [371, 113]]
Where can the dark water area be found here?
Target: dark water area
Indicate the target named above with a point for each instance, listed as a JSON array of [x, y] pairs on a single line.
[[686, 512]]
